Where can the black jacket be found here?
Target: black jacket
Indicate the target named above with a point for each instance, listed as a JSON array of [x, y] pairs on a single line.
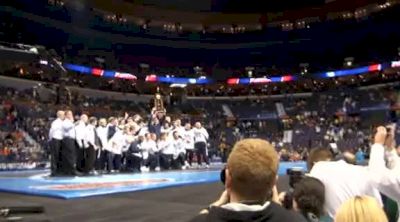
[[111, 131], [133, 148], [272, 213]]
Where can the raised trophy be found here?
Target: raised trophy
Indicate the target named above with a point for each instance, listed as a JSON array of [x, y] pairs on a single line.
[[158, 107]]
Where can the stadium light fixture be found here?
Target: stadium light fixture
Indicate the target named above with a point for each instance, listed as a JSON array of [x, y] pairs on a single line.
[[176, 85], [304, 68], [250, 71], [348, 61]]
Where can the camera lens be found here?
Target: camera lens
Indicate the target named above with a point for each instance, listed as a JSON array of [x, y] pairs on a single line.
[[222, 175]]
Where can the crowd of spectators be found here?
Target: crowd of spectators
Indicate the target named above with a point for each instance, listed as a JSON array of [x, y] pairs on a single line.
[[307, 83], [326, 121], [342, 122], [17, 148]]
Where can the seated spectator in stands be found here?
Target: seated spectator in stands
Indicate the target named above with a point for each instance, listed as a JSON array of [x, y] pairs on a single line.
[[284, 155], [360, 157], [251, 173], [385, 175], [309, 198], [360, 209], [342, 180]]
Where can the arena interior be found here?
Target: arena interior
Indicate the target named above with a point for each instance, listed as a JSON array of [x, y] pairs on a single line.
[[200, 110]]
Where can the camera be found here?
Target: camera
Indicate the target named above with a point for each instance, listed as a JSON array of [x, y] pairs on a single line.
[[222, 175], [295, 175]]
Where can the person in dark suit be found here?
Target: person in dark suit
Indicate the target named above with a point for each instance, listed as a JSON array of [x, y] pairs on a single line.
[[134, 156], [155, 127], [112, 127], [68, 150]]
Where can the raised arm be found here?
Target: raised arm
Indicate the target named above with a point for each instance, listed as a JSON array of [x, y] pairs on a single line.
[[386, 180]]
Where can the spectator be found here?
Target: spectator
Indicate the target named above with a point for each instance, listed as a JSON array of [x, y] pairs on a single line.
[[342, 180], [250, 176], [360, 209], [360, 157], [385, 179], [309, 198]]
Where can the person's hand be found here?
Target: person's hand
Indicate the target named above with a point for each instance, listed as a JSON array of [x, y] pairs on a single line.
[[276, 195], [380, 135], [223, 199], [281, 197], [390, 140]]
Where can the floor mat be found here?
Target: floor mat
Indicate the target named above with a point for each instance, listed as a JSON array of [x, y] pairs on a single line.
[[39, 183]]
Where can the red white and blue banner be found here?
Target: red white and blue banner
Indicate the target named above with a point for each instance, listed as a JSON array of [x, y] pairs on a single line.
[[170, 79]]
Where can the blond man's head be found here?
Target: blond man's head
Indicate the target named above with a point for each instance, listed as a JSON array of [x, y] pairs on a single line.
[[252, 169], [61, 114], [359, 209]]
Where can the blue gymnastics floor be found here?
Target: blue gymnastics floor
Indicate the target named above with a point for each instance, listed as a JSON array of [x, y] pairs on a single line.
[[38, 182]]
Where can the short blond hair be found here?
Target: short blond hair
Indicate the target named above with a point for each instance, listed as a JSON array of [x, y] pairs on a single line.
[[360, 209], [253, 166], [103, 122]]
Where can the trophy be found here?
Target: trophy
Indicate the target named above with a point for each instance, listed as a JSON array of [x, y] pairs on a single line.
[[158, 107]]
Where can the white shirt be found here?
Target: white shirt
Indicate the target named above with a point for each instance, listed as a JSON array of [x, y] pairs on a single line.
[[128, 139], [102, 134], [188, 138], [145, 147], [181, 130], [152, 147], [117, 142], [143, 130], [90, 137], [166, 130], [68, 129], [80, 130], [200, 135], [385, 180], [179, 147], [244, 207], [56, 130], [343, 181], [166, 147]]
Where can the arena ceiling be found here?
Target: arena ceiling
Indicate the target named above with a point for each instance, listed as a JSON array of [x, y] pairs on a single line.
[[231, 6], [195, 13]]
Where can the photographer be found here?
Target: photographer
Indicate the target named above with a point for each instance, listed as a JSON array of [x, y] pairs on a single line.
[[309, 198], [385, 176], [306, 195], [250, 176], [342, 180]]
